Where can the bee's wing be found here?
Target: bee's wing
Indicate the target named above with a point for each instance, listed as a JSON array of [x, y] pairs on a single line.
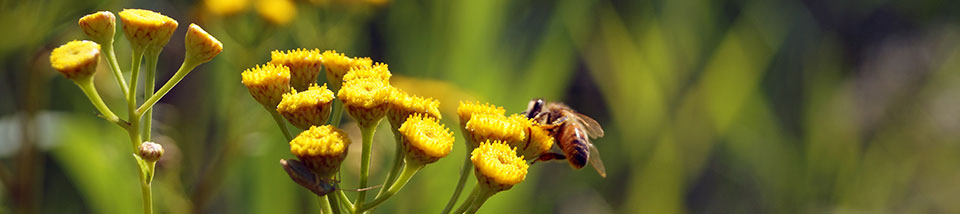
[[592, 126], [595, 160]]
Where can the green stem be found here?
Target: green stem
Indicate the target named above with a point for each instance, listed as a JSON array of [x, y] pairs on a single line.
[[107, 49], [134, 79], [408, 171], [147, 196], [86, 85], [325, 205], [148, 89], [397, 163], [464, 172], [367, 133], [334, 203], [337, 114], [345, 201], [482, 197], [279, 120], [185, 68], [469, 201]]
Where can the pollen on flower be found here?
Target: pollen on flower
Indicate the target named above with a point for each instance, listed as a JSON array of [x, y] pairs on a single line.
[[100, 26], [201, 46], [365, 99], [76, 59], [425, 140], [489, 127], [539, 140], [267, 83], [378, 71], [147, 28], [497, 165], [277, 12], [307, 108], [402, 105], [321, 148], [337, 65], [304, 65]]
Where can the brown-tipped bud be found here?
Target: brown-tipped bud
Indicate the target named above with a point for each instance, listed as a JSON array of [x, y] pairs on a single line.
[[201, 46], [100, 26], [145, 28], [150, 151], [76, 59]]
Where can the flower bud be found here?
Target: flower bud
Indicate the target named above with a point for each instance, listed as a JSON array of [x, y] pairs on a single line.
[[321, 148], [76, 60], [150, 151], [337, 65], [305, 66], [100, 26], [201, 46], [145, 28], [402, 105], [267, 83], [307, 108], [378, 71], [365, 100], [492, 127], [497, 166], [425, 140], [465, 112]]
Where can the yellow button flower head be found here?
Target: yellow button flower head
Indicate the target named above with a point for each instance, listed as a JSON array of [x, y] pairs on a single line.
[[225, 7], [378, 71], [307, 108], [425, 140], [146, 28], [100, 26], [402, 105], [304, 66], [76, 59], [538, 141], [467, 109], [484, 127], [201, 46], [277, 12], [337, 65], [267, 83], [321, 148], [365, 100], [497, 166]]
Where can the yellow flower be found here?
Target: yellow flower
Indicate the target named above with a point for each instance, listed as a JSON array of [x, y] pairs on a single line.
[[201, 46], [425, 140], [146, 28], [321, 148], [467, 109], [497, 166], [365, 100], [378, 71], [277, 12], [225, 7], [100, 26], [337, 65], [76, 59], [489, 127], [267, 83], [304, 66], [538, 141], [307, 108], [402, 105]]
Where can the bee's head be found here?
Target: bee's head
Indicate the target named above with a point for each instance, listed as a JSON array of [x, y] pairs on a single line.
[[534, 107]]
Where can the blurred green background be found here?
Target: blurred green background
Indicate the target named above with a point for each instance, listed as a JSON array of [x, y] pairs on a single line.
[[710, 106]]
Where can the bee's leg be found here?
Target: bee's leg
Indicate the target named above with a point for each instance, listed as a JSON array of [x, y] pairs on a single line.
[[549, 156]]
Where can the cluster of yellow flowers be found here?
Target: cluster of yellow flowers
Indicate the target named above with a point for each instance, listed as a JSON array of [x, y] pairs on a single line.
[[148, 32]]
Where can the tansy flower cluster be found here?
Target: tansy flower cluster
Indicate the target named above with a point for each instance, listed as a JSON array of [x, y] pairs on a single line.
[[148, 32], [287, 86]]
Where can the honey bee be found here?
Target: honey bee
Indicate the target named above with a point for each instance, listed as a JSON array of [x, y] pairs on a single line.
[[572, 132]]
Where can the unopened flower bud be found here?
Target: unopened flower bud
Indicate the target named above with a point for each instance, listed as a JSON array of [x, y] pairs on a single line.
[[145, 28], [150, 151], [305, 66], [100, 26], [267, 83], [307, 108], [76, 60], [201, 46]]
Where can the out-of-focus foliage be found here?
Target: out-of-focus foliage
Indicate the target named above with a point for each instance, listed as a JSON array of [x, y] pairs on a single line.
[[708, 105]]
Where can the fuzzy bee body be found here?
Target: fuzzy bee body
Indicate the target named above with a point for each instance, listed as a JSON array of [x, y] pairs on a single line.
[[572, 132]]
